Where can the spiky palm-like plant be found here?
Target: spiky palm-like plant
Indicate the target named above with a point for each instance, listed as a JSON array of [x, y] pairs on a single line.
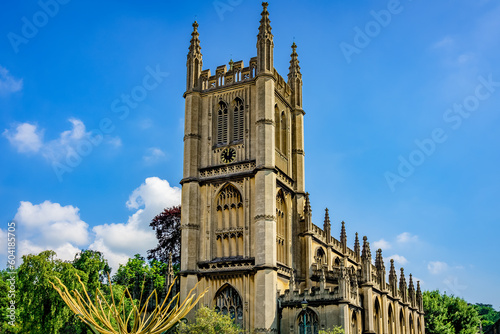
[[111, 317]]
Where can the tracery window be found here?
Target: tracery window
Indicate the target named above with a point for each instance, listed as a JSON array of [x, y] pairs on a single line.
[[230, 125], [390, 321], [281, 228], [312, 322], [238, 120], [283, 133], [277, 127], [222, 123], [402, 325], [355, 328], [229, 231], [377, 317], [228, 301], [320, 256]]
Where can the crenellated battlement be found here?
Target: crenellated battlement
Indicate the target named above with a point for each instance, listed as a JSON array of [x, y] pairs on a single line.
[[223, 76]]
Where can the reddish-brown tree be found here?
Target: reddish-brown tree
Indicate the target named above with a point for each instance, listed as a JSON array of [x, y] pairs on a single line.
[[167, 227]]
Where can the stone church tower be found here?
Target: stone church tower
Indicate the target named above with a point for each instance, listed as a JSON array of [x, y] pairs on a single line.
[[246, 224]]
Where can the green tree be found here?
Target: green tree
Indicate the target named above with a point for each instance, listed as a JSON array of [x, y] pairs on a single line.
[[449, 314], [6, 321], [94, 265], [487, 314], [137, 274], [208, 321], [41, 309]]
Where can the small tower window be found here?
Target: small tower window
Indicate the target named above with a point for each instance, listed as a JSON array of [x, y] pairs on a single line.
[[222, 123], [238, 120]]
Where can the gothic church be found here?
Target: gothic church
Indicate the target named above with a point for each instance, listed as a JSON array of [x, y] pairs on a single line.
[[246, 222]]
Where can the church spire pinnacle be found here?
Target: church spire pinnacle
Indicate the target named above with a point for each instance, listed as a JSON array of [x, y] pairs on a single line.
[[295, 77], [366, 254], [343, 238], [194, 47], [356, 247], [265, 44], [327, 220], [194, 60], [379, 260], [294, 69], [327, 227], [265, 23]]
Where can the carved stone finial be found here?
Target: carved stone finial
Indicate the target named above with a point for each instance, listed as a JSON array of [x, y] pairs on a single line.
[[307, 206], [379, 260], [194, 47], [366, 253], [294, 69], [265, 23], [343, 234], [357, 248]]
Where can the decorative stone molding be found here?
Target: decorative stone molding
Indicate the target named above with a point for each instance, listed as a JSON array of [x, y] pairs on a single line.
[[285, 179], [192, 135], [227, 170], [190, 226], [265, 121], [265, 217]]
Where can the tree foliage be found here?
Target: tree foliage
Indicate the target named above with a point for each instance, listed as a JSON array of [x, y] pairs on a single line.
[[95, 265], [449, 314], [138, 275], [487, 314], [41, 309], [167, 228], [208, 321]]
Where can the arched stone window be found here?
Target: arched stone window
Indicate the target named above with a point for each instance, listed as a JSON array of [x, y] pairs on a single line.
[[311, 324], [320, 257], [229, 228], [391, 325], [402, 325], [284, 132], [377, 317], [277, 127], [238, 120], [228, 301], [222, 123], [419, 327], [336, 263], [281, 229], [355, 327], [411, 325]]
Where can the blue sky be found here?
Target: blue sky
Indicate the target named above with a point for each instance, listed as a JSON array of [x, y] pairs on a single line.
[[401, 131]]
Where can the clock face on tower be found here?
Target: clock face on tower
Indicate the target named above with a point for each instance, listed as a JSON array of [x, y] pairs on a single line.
[[228, 155]]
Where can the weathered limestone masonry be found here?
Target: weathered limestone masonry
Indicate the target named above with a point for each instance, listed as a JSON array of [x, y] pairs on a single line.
[[246, 222]]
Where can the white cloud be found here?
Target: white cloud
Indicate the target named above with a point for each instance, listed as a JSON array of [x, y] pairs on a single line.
[[437, 267], [50, 224], [399, 259], [70, 145], [53, 226], [118, 242], [25, 137], [405, 238], [8, 84], [153, 155], [382, 244]]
